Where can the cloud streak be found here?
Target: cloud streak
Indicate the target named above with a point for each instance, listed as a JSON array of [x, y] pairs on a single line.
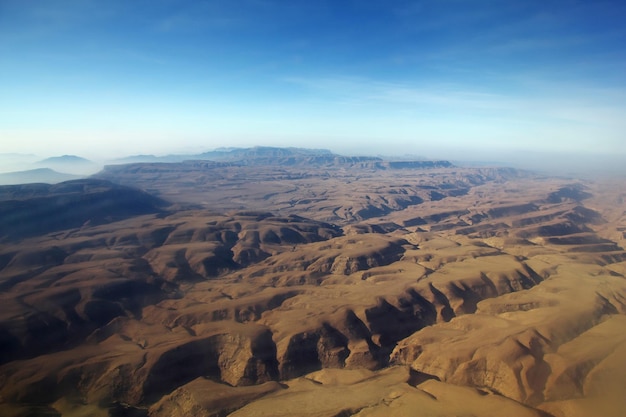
[[479, 74], [568, 115], [544, 100]]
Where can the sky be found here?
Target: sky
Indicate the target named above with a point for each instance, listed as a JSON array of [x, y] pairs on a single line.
[[439, 78]]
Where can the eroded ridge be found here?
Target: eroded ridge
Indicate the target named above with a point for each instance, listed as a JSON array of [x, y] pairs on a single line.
[[506, 296]]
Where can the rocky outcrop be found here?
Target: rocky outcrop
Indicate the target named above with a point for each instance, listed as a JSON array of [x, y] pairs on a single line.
[[575, 192], [234, 358], [192, 253], [515, 346], [130, 370], [205, 398]]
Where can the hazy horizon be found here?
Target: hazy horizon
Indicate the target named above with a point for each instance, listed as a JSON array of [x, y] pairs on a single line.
[[477, 80], [569, 164], [477, 268]]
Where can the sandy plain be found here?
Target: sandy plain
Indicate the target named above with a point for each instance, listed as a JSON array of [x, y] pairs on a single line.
[[336, 290]]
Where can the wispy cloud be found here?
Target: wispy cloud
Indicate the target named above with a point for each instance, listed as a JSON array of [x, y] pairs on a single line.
[[194, 20], [565, 103]]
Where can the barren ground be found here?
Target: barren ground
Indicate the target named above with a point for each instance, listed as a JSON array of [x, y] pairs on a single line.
[[340, 290]]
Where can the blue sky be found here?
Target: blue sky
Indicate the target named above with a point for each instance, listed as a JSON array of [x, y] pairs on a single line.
[[457, 78]]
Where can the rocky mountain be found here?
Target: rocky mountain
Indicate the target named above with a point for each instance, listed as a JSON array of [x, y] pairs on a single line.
[[266, 153], [65, 159], [71, 164], [262, 289], [272, 156]]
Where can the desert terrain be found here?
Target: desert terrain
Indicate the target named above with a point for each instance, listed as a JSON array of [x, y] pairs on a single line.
[[285, 283]]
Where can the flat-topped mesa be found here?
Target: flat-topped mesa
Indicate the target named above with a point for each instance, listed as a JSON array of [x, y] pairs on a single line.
[[301, 161], [417, 164], [264, 155]]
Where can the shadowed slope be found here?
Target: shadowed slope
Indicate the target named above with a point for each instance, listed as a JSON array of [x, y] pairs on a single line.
[[36, 209], [492, 294]]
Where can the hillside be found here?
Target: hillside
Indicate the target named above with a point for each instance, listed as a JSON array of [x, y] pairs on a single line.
[[39, 175], [37, 209], [453, 291]]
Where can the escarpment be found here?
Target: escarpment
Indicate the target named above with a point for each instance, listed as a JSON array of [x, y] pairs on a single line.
[[368, 290], [234, 357]]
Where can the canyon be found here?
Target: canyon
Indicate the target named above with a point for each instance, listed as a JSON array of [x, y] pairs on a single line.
[[282, 282]]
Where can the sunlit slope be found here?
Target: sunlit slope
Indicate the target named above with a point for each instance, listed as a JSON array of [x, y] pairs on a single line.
[[506, 299]]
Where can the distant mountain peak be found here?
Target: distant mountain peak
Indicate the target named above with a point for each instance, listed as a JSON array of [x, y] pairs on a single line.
[[65, 159], [37, 175]]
